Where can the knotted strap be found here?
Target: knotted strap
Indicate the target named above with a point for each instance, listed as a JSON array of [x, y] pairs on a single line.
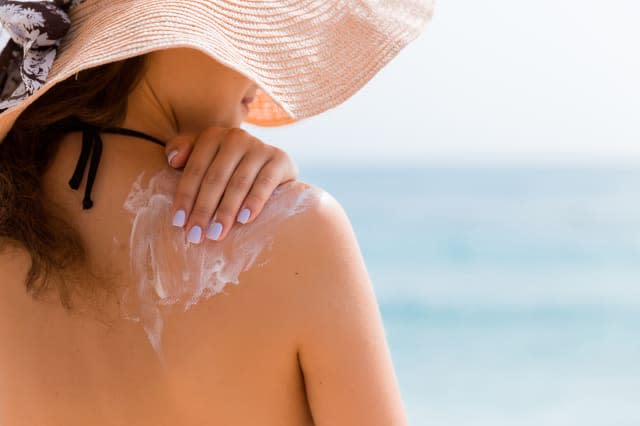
[[30, 35], [92, 145]]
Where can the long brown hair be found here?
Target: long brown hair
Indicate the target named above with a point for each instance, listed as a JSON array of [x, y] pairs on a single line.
[[97, 96]]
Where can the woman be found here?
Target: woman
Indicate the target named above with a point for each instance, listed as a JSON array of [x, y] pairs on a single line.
[[138, 338]]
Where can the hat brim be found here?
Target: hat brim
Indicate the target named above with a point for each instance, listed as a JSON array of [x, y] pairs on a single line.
[[306, 56]]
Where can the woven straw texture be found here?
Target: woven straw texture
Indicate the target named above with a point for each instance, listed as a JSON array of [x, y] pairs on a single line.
[[307, 56]]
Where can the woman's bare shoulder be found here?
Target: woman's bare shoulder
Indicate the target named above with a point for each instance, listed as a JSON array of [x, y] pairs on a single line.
[[334, 317], [315, 226], [316, 260], [319, 244], [176, 271], [301, 230]]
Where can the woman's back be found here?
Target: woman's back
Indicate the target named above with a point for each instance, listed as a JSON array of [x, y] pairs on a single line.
[[300, 336]]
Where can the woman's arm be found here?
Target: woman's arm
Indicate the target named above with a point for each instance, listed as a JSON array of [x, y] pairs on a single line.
[[342, 348]]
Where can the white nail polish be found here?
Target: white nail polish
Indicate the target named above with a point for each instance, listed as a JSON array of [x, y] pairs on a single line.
[[179, 218], [243, 216], [171, 155], [214, 231], [194, 234]]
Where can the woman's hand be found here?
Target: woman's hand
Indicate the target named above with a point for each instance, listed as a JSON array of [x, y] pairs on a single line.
[[228, 176]]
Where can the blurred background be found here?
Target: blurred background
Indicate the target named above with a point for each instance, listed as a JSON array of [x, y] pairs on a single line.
[[492, 175]]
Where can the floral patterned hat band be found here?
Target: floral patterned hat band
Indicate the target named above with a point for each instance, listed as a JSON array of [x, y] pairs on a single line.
[[30, 35]]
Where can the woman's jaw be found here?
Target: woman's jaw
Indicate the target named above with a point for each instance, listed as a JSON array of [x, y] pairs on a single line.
[[185, 91]]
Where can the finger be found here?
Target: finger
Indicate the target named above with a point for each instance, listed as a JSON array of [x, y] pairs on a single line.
[[289, 170], [270, 176], [239, 187], [215, 183], [178, 149], [203, 152]]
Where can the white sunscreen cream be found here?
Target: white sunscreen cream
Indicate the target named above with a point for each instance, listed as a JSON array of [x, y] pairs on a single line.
[[168, 270]]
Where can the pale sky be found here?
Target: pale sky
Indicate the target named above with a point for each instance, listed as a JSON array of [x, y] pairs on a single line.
[[493, 81]]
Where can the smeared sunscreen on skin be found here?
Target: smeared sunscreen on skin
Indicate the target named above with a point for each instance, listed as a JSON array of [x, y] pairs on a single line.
[[168, 270]]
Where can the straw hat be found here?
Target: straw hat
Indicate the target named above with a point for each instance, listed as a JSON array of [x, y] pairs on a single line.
[[306, 56]]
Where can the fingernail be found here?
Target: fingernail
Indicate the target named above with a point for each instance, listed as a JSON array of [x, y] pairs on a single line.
[[179, 218], [171, 155], [214, 231], [194, 234], [243, 216]]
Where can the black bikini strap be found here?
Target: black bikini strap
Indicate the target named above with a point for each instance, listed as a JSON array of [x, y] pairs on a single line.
[[92, 143], [130, 132], [75, 180]]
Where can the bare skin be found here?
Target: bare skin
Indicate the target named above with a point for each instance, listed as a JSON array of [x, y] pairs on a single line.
[[298, 342]]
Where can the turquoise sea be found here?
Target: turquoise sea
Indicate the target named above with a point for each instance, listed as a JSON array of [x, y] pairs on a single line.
[[509, 296]]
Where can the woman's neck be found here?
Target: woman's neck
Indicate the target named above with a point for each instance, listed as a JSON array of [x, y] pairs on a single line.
[[148, 114]]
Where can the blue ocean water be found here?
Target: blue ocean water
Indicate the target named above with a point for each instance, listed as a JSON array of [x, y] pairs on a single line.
[[509, 296]]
